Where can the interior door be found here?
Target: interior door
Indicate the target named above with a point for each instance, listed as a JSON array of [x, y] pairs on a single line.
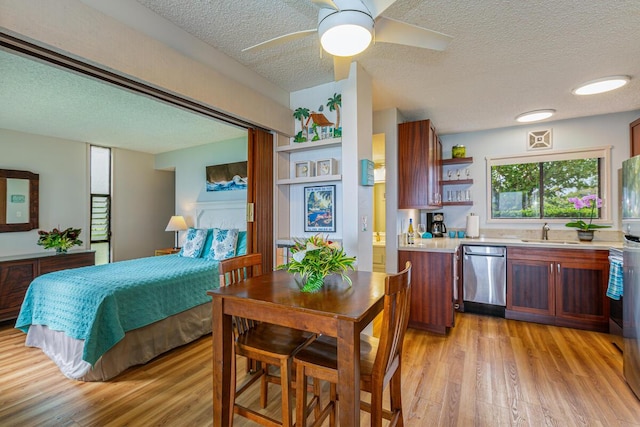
[[260, 196]]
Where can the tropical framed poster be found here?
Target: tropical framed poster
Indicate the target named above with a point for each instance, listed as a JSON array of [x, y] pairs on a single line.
[[320, 208]]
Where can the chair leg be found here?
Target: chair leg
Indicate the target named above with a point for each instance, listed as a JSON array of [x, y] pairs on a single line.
[[285, 384], [376, 405], [264, 387], [333, 397], [301, 396], [395, 391]]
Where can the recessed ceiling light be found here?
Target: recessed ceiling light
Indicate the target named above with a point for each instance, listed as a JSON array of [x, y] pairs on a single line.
[[534, 116], [604, 84]]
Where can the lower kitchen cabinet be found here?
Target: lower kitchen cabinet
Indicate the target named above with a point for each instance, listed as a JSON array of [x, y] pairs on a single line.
[[432, 281], [563, 287]]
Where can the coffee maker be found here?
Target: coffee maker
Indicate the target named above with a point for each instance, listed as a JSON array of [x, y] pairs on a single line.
[[435, 224]]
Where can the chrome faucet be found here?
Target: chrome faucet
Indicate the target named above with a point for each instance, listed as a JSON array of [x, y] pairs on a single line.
[[545, 232]]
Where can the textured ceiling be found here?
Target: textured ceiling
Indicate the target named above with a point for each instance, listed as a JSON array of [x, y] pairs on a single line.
[[45, 100], [506, 57]]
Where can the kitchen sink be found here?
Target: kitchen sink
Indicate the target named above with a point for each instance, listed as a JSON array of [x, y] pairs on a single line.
[[555, 242]]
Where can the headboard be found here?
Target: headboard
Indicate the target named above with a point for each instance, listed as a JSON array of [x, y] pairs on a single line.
[[226, 214]]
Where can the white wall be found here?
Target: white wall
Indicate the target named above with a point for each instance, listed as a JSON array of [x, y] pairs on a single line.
[[142, 197], [63, 169], [610, 129], [190, 174], [143, 201]]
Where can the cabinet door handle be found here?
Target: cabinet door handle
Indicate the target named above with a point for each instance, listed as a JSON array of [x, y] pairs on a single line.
[[558, 268], [551, 268]]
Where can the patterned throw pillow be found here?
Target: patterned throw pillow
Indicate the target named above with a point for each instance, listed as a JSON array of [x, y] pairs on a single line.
[[194, 243], [223, 244]]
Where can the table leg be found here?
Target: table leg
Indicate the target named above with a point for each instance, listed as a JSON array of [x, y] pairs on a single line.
[[349, 374], [222, 341]]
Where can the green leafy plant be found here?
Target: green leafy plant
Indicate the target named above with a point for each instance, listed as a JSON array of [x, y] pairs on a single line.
[[60, 240], [315, 258], [590, 202]]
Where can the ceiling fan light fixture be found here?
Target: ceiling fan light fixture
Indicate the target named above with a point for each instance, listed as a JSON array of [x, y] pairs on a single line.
[[345, 32], [602, 85], [535, 116]]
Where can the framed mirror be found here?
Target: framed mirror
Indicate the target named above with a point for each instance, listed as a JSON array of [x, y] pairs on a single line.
[[18, 200]]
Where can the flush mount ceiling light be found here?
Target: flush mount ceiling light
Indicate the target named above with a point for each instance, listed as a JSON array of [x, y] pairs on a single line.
[[602, 85], [535, 116], [345, 32]]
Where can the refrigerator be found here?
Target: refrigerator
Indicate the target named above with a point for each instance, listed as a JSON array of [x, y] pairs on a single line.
[[631, 272]]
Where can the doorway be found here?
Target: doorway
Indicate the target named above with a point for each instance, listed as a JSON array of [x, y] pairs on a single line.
[[379, 204]]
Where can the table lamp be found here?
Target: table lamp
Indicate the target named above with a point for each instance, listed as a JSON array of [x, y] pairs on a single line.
[[177, 224]]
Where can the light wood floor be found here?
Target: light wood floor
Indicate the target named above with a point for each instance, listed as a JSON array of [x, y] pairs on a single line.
[[486, 372]]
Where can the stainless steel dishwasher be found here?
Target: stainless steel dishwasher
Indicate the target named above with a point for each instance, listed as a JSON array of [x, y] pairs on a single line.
[[484, 278]]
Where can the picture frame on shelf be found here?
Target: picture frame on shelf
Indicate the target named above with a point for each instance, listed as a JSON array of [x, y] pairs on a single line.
[[304, 169], [326, 167], [320, 208]]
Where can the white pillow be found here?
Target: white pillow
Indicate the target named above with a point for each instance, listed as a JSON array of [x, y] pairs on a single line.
[[223, 244], [194, 243]]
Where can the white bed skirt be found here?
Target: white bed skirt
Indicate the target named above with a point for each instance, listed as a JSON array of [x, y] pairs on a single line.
[[137, 347]]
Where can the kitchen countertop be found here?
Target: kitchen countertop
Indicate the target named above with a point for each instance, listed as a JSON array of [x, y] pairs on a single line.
[[449, 245]]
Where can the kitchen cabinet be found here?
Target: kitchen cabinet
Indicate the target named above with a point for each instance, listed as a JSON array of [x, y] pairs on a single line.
[[452, 183], [634, 134], [563, 287], [432, 282], [16, 273], [419, 166]]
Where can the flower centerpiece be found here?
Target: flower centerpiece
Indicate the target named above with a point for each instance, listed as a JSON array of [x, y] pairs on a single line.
[[315, 258], [60, 240], [590, 202]]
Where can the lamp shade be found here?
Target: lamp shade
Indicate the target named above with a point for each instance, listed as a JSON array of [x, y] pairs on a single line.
[[176, 223]]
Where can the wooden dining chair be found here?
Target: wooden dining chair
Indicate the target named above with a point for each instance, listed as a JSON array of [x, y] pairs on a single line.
[[379, 362], [270, 345]]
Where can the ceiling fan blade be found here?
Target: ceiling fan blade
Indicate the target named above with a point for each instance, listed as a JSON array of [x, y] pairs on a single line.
[[341, 67], [281, 39], [325, 4], [376, 7], [391, 31]]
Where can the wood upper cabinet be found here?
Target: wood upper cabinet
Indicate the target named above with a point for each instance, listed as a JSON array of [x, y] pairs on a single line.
[[16, 276], [419, 166], [634, 133], [564, 287], [431, 289]]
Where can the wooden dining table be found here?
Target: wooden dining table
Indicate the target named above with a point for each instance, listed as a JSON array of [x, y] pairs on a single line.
[[337, 310]]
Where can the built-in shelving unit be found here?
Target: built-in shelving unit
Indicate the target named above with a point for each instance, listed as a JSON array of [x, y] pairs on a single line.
[[310, 145], [298, 147], [459, 161]]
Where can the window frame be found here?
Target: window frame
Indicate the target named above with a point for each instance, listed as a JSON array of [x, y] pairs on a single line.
[[603, 152]]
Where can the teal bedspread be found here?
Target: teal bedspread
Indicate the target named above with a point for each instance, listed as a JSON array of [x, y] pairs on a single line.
[[98, 304]]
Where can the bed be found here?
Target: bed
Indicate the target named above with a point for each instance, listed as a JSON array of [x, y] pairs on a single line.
[[95, 322]]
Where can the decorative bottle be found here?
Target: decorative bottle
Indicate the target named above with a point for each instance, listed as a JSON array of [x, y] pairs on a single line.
[[410, 233]]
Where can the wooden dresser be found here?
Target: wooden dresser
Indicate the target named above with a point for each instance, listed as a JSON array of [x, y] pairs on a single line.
[[17, 272]]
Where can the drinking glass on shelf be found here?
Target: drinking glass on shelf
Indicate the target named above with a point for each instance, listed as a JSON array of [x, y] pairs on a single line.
[[458, 173], [449, 195], [467, 172], [421, 230], [450, 174], [467, 195]]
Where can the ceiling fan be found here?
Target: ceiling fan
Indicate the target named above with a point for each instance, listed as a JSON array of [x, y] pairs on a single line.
[[347, 27]]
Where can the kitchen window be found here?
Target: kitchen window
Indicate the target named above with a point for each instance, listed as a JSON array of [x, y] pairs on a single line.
[[537, 187]]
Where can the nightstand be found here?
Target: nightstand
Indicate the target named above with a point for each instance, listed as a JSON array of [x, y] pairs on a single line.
[[167, 251]]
